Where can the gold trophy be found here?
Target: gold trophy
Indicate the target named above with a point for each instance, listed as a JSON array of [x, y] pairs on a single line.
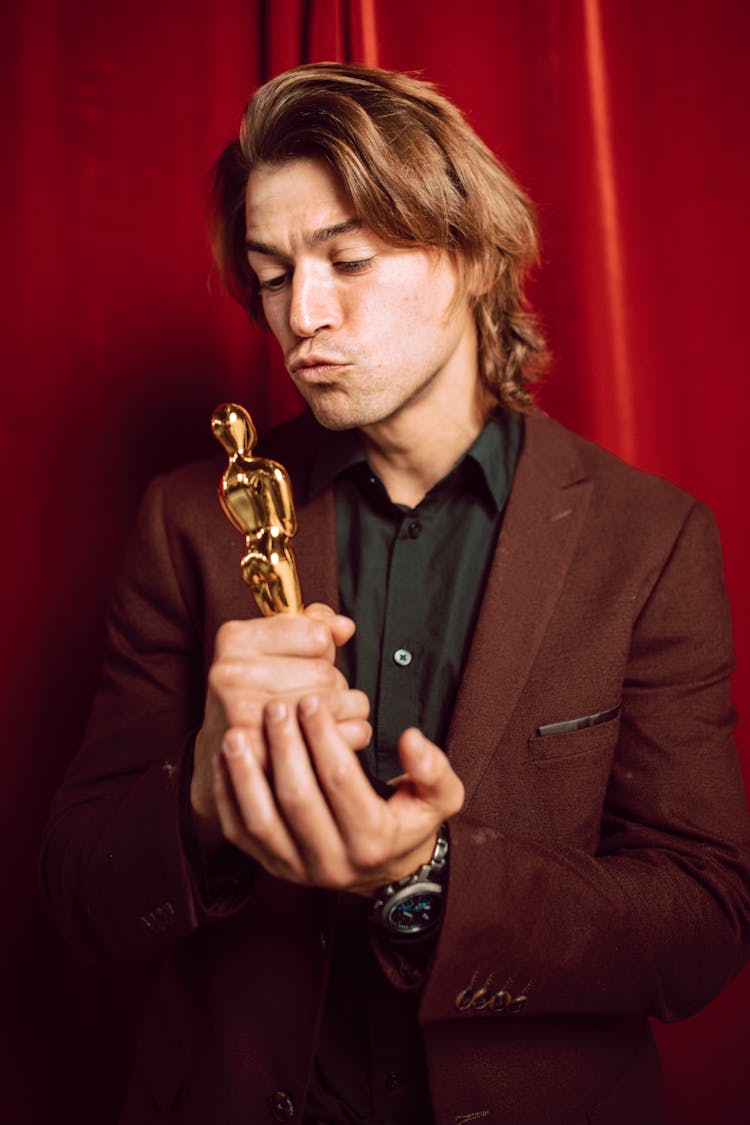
[[256, 495]]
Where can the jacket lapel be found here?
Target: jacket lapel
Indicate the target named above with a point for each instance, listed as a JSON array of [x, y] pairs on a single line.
[[542, 524]]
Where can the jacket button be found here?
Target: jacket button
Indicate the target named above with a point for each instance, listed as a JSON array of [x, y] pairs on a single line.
[[499, 1001], [464, 998], [282, 1106], [480, 1000]]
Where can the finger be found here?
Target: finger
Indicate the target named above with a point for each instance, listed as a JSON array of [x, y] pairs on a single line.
[[430, 776], [300, 798], [284, 634], [348, 704], [256, 744], [351, 709], [268, 675], [341, 628], [250, 819], [356, 733], [360, 815], [224, 800]]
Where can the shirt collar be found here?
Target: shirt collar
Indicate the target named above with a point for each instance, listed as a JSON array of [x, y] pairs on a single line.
[[490, 459]]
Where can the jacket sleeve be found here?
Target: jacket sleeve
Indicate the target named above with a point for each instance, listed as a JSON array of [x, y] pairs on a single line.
[[118, 870], [655, 917]]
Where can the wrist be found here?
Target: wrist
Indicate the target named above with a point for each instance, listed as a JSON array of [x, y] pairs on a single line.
[[413, 904]]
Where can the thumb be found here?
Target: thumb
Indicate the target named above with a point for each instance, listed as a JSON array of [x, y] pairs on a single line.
[[342, 628], [430, 772]]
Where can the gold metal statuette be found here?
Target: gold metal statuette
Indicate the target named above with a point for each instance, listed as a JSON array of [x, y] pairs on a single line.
[[256, 495]]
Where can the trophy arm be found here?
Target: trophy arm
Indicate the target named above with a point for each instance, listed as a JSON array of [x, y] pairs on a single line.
[[228, 510], [284, 501]]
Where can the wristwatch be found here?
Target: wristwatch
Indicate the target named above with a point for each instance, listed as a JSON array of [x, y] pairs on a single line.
[[413, 906]]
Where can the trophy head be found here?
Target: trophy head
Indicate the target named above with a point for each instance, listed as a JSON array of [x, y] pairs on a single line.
[[233, 427]]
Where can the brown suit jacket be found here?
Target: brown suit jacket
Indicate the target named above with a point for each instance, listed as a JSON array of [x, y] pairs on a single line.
[[597, 875]]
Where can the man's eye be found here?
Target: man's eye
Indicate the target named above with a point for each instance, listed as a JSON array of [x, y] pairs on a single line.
[[357, 266], [272, 284]]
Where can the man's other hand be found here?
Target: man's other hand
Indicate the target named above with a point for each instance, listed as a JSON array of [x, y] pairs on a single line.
[[313, 817]]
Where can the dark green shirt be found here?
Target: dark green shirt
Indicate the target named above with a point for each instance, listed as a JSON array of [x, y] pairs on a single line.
[[412, 579]]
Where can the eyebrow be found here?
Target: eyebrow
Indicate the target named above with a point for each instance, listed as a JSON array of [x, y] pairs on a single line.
[[325, 234]]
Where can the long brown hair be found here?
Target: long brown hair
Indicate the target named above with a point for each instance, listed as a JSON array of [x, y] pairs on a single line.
[[416, 173]]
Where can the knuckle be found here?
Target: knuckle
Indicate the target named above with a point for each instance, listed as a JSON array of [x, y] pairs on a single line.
[[248, 711], [217, 678], [229, 634], [319, 636], [225, 674], [324, 672], [357, 733], [338, 774], [368, 854], [292, 796], [361, 703]]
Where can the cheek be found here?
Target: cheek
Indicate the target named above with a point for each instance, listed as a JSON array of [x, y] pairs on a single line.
[[276, 319]]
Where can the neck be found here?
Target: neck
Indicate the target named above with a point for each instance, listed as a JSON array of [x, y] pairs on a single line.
[[412, 452]]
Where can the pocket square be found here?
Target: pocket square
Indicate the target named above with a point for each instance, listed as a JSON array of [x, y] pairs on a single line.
[[578, 724]]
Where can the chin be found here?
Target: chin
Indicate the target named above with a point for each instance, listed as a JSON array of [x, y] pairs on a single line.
[[330, 417]]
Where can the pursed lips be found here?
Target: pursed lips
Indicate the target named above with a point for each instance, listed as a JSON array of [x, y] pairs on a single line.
[[314, 369]]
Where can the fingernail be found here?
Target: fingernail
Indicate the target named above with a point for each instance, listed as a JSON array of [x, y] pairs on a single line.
[[277, 711], [308, 705]]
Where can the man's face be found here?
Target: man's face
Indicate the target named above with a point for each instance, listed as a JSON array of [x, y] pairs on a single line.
[[367, 329]]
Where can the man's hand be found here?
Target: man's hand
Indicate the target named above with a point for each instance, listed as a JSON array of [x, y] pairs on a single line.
[[316, 819], [256, 661]]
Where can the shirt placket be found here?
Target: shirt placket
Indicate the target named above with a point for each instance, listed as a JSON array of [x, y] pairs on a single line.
[[402, 648]]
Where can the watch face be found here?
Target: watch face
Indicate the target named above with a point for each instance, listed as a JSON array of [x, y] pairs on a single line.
[[416, 911]]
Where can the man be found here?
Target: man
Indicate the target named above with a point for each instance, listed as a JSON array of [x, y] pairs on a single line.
[[548, 841]]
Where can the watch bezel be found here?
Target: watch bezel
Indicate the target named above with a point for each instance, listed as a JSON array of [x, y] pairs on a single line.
[[414, 890]]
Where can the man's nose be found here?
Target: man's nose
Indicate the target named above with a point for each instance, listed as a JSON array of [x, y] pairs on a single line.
[[314, 304]]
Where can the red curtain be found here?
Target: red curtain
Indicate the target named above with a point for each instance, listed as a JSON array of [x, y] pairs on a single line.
[[627, 123]]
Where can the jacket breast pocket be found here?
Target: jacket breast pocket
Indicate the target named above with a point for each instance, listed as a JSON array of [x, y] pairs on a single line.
[[568, 774], [564, 740]]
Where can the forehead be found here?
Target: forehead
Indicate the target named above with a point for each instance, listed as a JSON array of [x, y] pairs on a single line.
[[303, 194]]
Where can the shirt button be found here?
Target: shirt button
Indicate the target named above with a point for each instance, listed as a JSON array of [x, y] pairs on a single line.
[[393, 1081], [403, 657], [415, 529]]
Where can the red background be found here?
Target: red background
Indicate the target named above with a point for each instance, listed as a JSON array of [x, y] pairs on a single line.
[[626, 122]]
